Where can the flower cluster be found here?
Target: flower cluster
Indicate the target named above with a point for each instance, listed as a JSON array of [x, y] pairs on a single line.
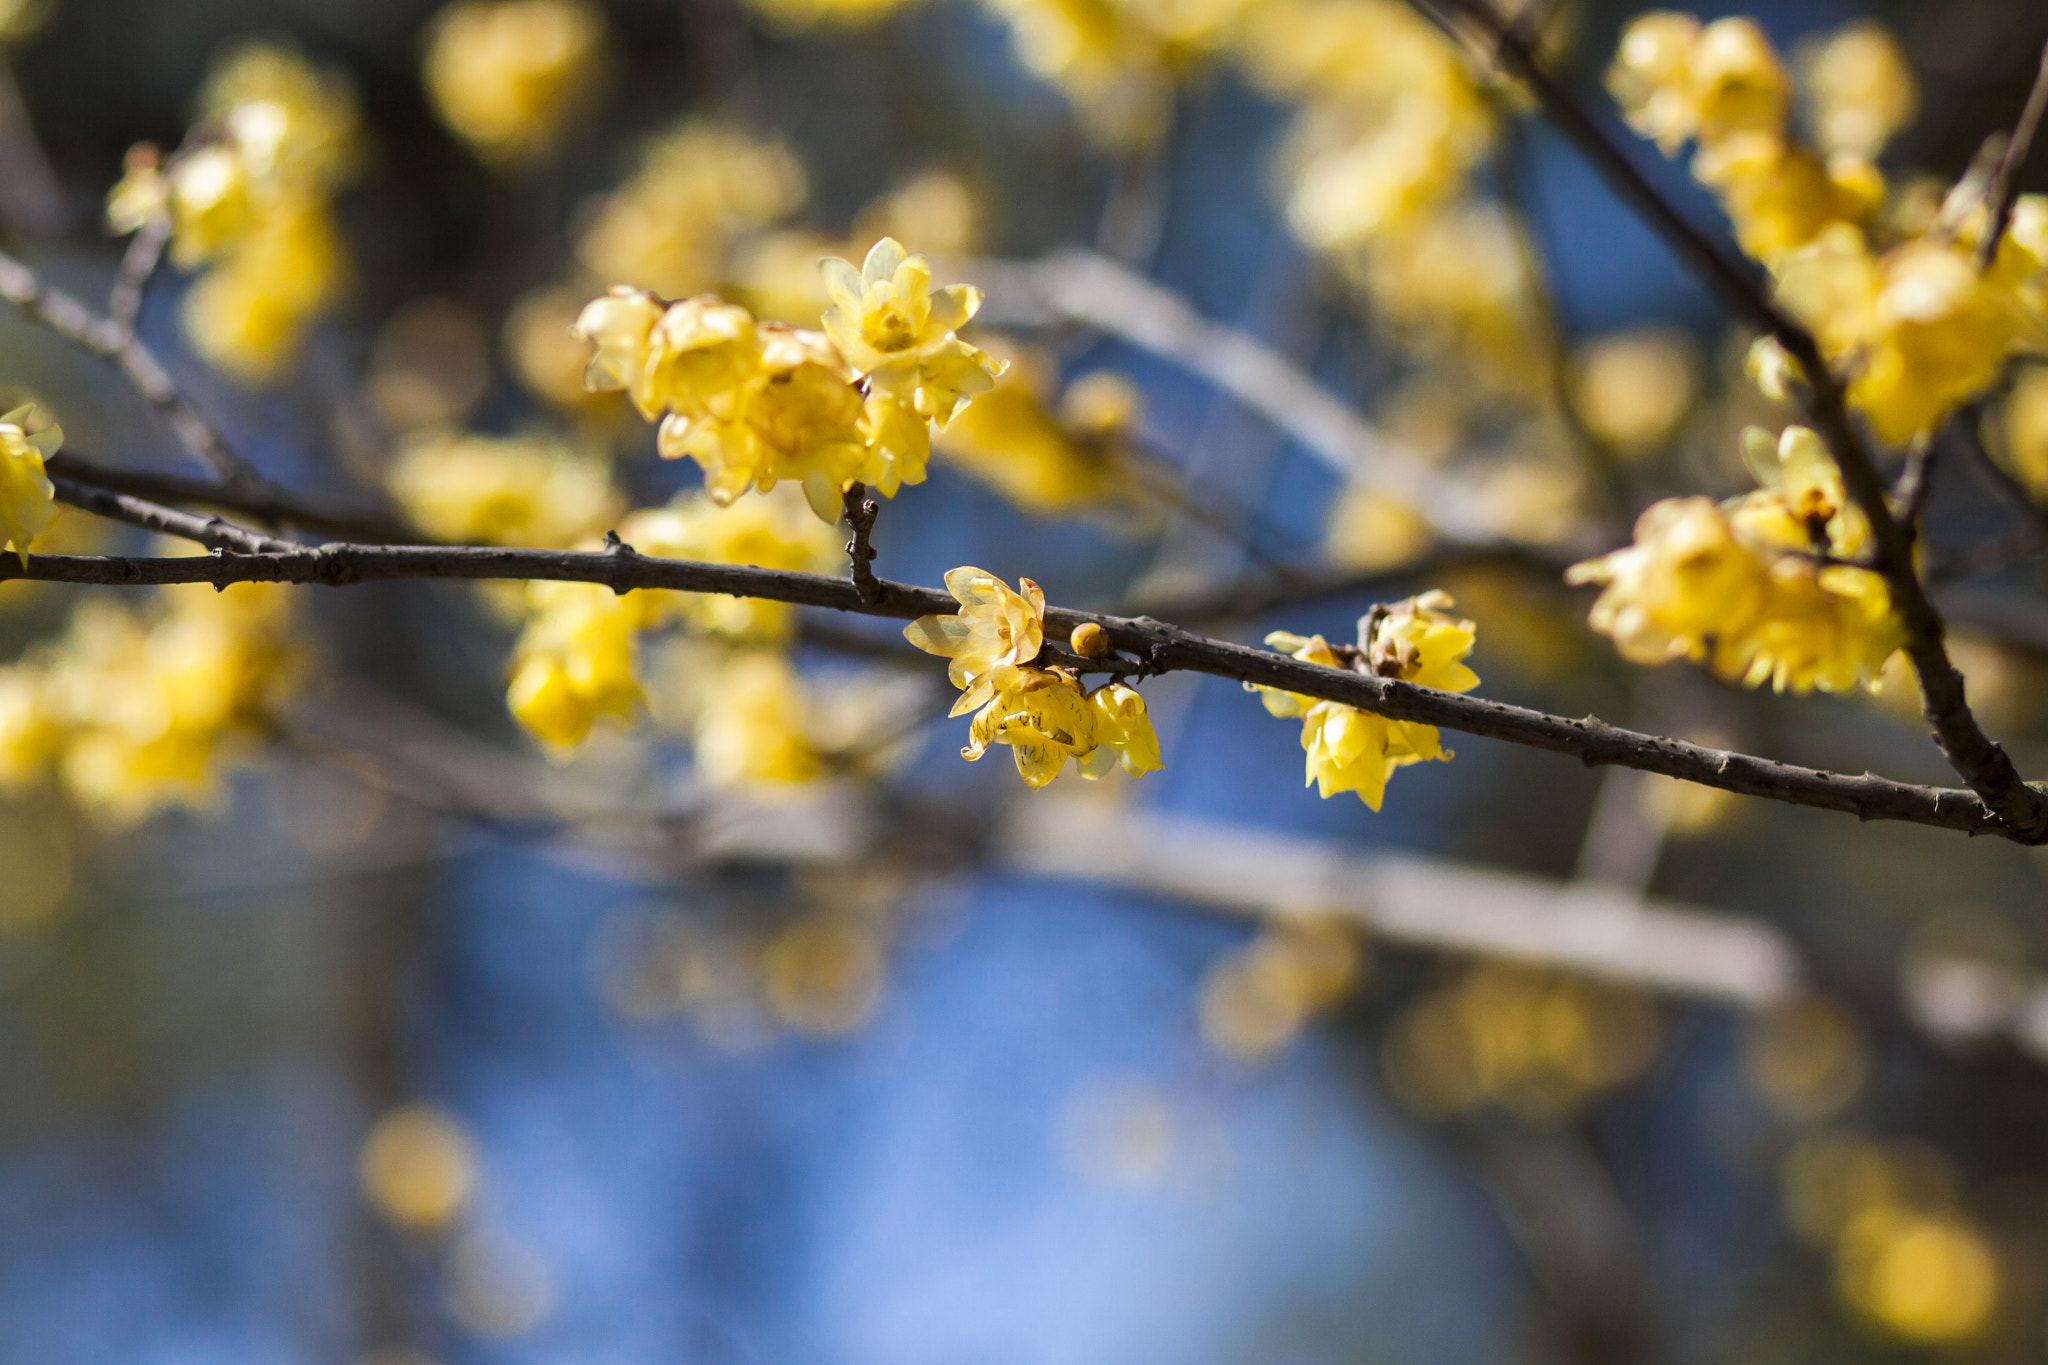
[[1754, 588], [1901, 308], [758, 402], [135, 711], [27, 499], [247, 197], [1350, 750], [1044, 714], [502, 490], [507, 75]]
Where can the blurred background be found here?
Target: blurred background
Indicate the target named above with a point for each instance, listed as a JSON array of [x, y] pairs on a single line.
[[392, 1038]]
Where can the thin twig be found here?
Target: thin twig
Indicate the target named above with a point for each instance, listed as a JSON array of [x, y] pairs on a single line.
[[211, 532], [2005, 181], [1916, 484], [138, 266], [117, 345], [861, 511], [1162, 647], [1972, 753], [272, 505]]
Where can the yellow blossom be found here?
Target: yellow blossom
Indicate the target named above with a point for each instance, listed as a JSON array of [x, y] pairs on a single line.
[[995, 633], [1779, 196], [292, 122], [1357, 751], [1048, 461], [1745, 587], [27, 498], [1633, 388], [574, 661], [1045, 718], [1861, 88], [506, 75], [502, 490], [2019, 431], [1919, 329], [772, 532], [29, 736], [248, 315], [698, 187], [1123, 733], [1677, 81], [896, 331], [752, 730]]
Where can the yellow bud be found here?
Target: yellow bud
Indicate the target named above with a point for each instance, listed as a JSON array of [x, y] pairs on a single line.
[[1090, 641]]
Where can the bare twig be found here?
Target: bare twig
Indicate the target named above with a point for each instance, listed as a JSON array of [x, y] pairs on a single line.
[[861, 511], [1160, 646], [114, 343], [1916, 482], [2004, 191], [1972, 753], [138, 266], [211, 532], [271, 505]]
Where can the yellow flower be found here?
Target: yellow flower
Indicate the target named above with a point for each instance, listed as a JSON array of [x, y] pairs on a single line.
[[897, 332], [1043, 716], [698, 187], [29, 736], [1123, 733], [574, 661], [1677, 81], [1357, 751], [772, 532], [506, 75], [205, 193], [248, 315], [995, 633], [1861, 88], [620, 327], [27, 498], [1779, 196], [291, 122], [2020, 431], [1919, 329], [1742, 587], [699, 354], [502, 490], [1634, 388], [1048, 461], [752, 729]]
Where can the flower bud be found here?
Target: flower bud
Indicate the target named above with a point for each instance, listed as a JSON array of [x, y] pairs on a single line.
[[1090, 641]]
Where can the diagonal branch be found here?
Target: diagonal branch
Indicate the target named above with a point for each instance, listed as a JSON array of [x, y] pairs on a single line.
[[2004, 191], [1161, 646], [1972, 753], [212, 532], [273, 505]]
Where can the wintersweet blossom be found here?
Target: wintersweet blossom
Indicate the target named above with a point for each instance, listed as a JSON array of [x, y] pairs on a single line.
[[502, 490], [507, 75], [1351, 750], [27, 498], [772, 532], [1753, 588], [574, 662], [1043, 714]]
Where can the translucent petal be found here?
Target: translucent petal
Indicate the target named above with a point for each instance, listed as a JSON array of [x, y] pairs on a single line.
[[883, 258]]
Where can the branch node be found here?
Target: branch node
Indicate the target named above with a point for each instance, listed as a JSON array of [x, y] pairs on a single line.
[[860, 511]]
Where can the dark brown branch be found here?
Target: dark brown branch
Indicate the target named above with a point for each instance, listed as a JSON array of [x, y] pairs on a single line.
[[1916, 483], [861, 511], [116, 344], [1972, 753], [211, 532], [272, 505], [2005, 181], [1163, 647]]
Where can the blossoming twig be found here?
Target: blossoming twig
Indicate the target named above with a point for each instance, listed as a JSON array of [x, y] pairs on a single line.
[[1162, 646], [1972, 753]]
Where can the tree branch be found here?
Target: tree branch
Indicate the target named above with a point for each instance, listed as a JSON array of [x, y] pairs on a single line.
[[2005, 181], [272, 504], [211, 532], [861, 511], [1160, 646], [1972, 753], [138, 266]]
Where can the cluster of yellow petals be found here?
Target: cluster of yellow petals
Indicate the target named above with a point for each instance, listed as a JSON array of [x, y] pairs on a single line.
[[1350, 750], [502, 490], [1751, 588], [1043, 714], [135, 711], [248, 198], [758, 402], [699, 187], [1044, 458], [507, 75], [574, 662], [27, 498]]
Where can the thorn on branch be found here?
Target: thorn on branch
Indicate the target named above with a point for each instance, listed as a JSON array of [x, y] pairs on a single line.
[[860, 511]]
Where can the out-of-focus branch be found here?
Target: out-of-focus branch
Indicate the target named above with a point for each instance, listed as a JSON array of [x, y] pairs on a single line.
[[211, 532], [1157, 646], [1972, 753], [1580, 927], [2004, 191], [1079, 286], [138, 266]]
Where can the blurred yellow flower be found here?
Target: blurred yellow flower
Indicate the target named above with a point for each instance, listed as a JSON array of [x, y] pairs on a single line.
[[1357, 751], [1861, 88], [1926, 1278], [418, 1167], [574, 662], [752, 729], [1633, 388], [27, 498], [1677, 81], [1048, 461], [776, 531], [507, 75], [502, 490]]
